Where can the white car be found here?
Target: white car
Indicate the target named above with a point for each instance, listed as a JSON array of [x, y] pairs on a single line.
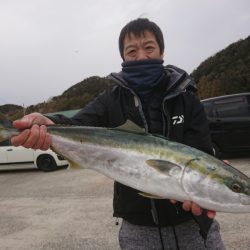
[[43, 160]]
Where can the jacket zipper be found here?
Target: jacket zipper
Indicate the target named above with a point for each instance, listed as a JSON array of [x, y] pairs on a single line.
[[143, 117], [166, 120]]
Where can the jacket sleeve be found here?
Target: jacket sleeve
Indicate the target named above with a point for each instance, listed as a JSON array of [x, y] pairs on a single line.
[[93, 114], [197, 132]]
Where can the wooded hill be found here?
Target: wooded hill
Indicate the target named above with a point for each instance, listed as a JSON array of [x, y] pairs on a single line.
[[11, 110], [227, 72], [75, 97]]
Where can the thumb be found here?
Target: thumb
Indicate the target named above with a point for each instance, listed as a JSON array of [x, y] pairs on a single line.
[[23, 123]]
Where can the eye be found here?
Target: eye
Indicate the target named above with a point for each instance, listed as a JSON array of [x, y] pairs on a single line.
[[236, 188], [149, 48], [131, 52]]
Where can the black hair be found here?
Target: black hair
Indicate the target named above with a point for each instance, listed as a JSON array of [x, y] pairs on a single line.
[[137, 27]]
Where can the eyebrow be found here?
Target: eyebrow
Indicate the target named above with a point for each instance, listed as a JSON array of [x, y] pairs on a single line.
[[149, 41]]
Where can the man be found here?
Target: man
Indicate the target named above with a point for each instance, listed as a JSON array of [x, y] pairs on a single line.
[[162, 101]]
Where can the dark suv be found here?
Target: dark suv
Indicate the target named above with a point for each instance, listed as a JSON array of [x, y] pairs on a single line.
[[229, 122]]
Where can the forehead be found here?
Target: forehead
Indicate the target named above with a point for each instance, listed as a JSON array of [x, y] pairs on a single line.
[[144, 36]]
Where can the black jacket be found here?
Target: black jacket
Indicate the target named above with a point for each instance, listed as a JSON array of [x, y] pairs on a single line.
[[173, 111]]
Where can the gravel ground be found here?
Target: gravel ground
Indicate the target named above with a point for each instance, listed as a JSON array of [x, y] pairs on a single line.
[[235, 228], [72, 209]]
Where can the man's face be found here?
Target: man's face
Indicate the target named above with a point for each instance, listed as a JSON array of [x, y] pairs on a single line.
[[141, 48]]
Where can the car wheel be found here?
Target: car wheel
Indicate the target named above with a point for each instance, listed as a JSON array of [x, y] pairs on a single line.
[[216, 151], [46, 163]]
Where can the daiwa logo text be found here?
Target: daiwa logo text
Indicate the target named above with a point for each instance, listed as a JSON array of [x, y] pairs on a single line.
[[178, 119]]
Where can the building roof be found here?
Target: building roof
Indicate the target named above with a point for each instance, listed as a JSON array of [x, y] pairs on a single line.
[[67, 113]]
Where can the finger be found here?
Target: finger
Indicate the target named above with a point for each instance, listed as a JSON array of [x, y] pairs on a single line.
[[33, 137], [21, 124], [42, 136], [39, 119], [47, 142], [196, 209], [28, 120], [187, 205], [25, 122], [21, 138], [211, 214]]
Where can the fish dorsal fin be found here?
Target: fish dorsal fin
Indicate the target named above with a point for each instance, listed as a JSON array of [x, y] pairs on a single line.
[[164, 166], [151, 196], [130, 126]]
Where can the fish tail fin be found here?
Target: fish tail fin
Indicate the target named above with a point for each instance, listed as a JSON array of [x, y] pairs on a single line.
[[6, 128]]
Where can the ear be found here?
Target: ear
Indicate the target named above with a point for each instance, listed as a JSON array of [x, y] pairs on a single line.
[[162, 55]]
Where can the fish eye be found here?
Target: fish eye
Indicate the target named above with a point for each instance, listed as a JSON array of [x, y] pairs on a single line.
[[236, 187]]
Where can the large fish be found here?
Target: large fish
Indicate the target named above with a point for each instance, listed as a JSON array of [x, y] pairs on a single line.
[[153, 165]]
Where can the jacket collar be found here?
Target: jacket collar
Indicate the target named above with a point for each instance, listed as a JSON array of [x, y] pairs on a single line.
[[177, 81]]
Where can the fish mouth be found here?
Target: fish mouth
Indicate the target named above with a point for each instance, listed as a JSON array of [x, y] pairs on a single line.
[[244, 199]]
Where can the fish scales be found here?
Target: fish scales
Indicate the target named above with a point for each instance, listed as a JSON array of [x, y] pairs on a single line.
[[116, 160]]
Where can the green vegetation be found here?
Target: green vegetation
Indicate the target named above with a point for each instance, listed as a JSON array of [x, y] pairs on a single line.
[[227, 72]]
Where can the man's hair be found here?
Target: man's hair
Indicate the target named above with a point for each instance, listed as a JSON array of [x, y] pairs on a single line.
[[137, 27]]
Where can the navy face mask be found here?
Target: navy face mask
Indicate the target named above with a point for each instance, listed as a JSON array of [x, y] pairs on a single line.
[[143, 75]]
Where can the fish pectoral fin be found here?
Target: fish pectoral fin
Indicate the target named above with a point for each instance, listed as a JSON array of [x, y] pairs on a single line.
[[73, 164], [163, 166], [151, 196]]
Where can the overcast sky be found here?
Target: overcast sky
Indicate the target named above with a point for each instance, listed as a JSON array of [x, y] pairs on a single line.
[[46, 46]]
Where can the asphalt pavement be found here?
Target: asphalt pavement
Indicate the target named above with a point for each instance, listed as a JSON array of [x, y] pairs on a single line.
[[72, 209]]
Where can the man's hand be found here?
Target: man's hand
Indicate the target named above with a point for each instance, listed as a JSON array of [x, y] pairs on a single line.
[[33, 132], [195, 209]]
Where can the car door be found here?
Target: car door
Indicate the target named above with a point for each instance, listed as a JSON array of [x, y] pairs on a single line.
[[19, 155], [232, 123]]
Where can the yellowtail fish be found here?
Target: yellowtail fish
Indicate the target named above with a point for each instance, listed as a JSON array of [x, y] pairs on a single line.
[[154, 166]]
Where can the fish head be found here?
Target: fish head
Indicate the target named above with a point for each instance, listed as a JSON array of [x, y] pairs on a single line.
[[216, 185], [239, 184]]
